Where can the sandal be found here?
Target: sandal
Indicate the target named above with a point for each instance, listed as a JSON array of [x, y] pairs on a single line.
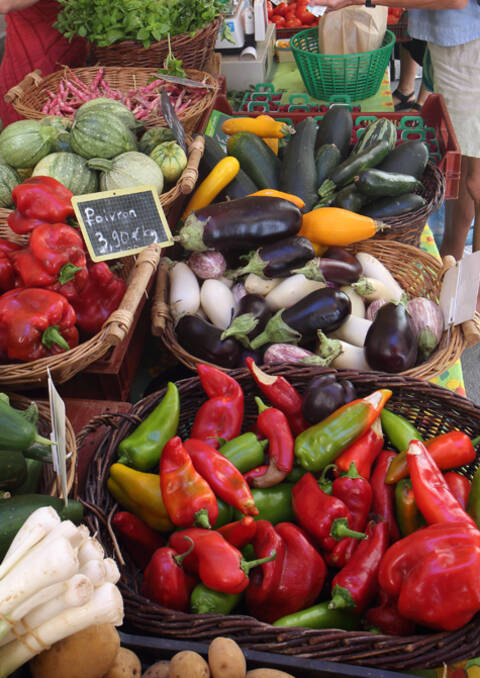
[[407, 101]]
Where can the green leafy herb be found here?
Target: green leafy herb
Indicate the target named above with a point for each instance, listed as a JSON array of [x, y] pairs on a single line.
[[172, 66]]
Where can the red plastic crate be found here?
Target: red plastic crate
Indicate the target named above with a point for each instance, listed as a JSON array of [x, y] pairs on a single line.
[[436, 127]]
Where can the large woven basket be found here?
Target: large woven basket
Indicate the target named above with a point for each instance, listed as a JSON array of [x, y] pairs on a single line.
[[30, 95], [137, 271], [418, 273], [49, 482], [433, 410], [194, 50]]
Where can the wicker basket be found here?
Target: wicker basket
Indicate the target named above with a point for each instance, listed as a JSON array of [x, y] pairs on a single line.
[[419, 274], [407, 228], [30, 95], [193, 50], [433, 410], [49, 482]]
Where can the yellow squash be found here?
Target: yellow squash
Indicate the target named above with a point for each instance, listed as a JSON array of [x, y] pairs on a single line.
[[272, 193], [336, 226], [262, 126], [221, 175]]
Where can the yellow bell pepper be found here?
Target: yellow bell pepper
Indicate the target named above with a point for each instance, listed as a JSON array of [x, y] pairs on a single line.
[[140, 493]]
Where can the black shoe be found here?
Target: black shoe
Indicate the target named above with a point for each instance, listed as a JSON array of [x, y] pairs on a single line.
[[407, 101]]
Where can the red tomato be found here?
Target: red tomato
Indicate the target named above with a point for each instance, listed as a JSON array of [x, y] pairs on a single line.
[[269, 9], [280, 10], [279, 21], [292, 7], [304, 15], [292, 22]]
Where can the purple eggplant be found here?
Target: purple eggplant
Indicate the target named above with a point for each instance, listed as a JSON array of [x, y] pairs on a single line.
[[325, 394], [202, 339], [390, 344], [323, 309], [330, 271], [207, 265], [242, 224], [279, 258], [252, 316]]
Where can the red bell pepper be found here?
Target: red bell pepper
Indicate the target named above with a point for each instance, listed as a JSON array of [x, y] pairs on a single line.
[[282, 395], [165, 581], [356, 494], [239, 533], [7, 271], [225, 480], [139, 539], [356, 584], [219, 564], [221, 416], [35, 323], [21, 224], [188, 498], [264, 579], [383, 495], [388, 619], [273, 424], [325, 517], [432, 495], [100, 297], [363, 451], [296, 584], [45, 198], [459, 485]]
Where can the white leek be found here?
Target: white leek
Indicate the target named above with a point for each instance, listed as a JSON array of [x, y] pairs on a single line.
[[112, 571], [95, 570], [91, 549]]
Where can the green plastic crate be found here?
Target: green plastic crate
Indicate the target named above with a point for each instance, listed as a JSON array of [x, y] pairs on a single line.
[[326, 75]]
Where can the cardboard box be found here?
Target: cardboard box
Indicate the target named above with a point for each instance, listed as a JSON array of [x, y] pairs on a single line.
[[241, 72]]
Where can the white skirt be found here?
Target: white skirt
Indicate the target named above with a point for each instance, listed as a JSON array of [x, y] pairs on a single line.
[[456, 75]]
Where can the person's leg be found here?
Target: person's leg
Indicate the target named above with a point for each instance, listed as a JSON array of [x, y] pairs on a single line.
[[423, 95], [408, 71], [459, 215], [473, 186]]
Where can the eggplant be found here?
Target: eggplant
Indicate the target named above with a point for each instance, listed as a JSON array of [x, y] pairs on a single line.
[[426, 319], [331, 270], [279, 258], [322, 309], [277, 354], [202, 339], [325, 394], [341, 254], [208, 265], [390, 344], [242, 224], [252, 316]]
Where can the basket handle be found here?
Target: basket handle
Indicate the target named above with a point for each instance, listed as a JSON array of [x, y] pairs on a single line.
[[190, 173], [120, 321], [160, 310], [15, 92]]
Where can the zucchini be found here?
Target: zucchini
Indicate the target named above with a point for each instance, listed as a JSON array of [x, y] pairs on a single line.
[[32, 481], [15, 510], [99, 134], [24, 142], [256, 159], [393, 207], [375, 183], [350, 198], [70, 169], [350, 167], [154, 136], [13, 469], [16, 432], [336, 128], [409, 157], [299, 175], [381, 129], [328, 157], [9, 178], [112, 106], [240, 187]]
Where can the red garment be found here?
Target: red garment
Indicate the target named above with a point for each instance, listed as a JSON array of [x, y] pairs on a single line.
[[32, 43]]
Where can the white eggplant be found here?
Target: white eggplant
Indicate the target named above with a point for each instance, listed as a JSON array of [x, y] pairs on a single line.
[[254, 284], [238, 291], [371, 289], [341, 354], [289, 353], [373, 308], [373, 268], [427, 322], [210, 264], [358, 305], [291, 290], [353, 330], [217, 301], [184, 290]]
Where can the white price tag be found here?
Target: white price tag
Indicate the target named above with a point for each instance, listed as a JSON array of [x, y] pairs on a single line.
[[58, 435], [458, 297], [316, 10]]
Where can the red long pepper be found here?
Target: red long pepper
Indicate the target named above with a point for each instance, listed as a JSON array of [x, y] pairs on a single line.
[[383, 495], [387, 617], [221, 416], [459, 485], [273, 424], [165, 581], [223, 477], [188, 498], [239, 533], [432, 495], [363, 451], [356, 584], [282, 395], [138, 538], [264, 580]]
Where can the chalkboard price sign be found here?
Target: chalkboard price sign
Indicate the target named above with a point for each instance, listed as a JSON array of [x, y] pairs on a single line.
[[121, 222]]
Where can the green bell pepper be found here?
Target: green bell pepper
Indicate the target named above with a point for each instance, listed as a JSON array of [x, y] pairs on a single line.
[[245, 452], [398, 430], [225, 514], [207, 601], [273, 503]]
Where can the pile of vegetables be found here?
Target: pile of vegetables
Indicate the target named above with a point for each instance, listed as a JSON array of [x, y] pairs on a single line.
[[331, 511], [54, 581], [291, 14], [103, 148]]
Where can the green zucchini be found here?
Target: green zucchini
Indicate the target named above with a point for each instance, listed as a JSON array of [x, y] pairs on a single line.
[[381, 129], [327, 159], [409, 157], [9, 178], [24, 142], [348, 169], [112, 106], [256, 159], [375, 183], [299, 175], [154, 136], [394, 206], [16, 432], [32, 481], [336, 128], [13, 469], [240, 187], [71, 170], [99, 134], [15, 511], [39, 452], [350, 198]]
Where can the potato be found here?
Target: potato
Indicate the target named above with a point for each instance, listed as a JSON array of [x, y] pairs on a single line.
[[160, 669], [125, 665], [268, 673], [188, 664], [226, 659], [87, 654]]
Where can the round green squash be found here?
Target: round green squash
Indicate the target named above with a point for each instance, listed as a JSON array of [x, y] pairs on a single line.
[[69, 169], [24, 142], [98, 134], [128, 170], [171, 159], [112, 106], [9, 178], [154, 136]]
